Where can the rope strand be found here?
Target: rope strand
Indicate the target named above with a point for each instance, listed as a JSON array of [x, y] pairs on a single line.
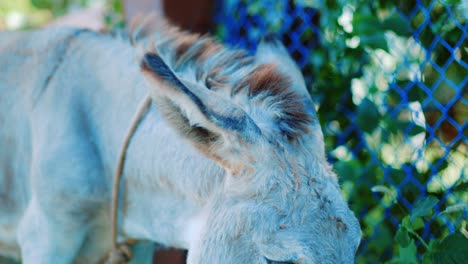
[[121, 253]]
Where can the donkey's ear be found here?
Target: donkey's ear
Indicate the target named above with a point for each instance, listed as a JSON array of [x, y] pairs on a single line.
[[271, 50], [218, 128]]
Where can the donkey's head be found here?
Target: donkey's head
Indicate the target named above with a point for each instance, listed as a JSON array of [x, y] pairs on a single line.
[[280, 202]]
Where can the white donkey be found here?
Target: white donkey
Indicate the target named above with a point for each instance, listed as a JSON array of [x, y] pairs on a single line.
[[228, 162]]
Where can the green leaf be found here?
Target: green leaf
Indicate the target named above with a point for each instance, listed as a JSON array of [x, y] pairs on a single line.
[[117, 5], [402, 237], [366, 24], [406, 222], [375, 41], [407, 254], [460, 207], [461, 187], [368, 116], [417, 223], [397, 175], [453, 249], [348, 170], [423, 206], [42, 3], [426, 257], [390, 194], [393, 125], [397, 24], [412, 224], [415, 129], [415, 93]]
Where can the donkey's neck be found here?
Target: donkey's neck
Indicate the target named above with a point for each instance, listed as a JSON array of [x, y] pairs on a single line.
[[167, 184]]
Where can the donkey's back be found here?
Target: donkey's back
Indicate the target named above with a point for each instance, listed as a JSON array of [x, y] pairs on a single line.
[[43, 129], [26, 62]]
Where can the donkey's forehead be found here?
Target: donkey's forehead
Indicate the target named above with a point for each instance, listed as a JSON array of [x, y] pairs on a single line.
[[290, 169]]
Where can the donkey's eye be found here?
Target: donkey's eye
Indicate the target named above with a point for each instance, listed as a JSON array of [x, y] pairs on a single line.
[[269, 261]]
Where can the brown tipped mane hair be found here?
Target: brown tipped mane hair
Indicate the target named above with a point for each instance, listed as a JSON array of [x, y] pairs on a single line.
[[203, 60]]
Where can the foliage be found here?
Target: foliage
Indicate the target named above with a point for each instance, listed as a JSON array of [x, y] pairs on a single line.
[[27, 14], [22, 14], [390, 82], [451, 249]]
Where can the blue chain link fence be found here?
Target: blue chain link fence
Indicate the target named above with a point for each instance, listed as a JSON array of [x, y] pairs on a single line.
[[390, 80]]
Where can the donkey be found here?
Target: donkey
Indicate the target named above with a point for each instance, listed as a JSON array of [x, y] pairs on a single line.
[[227, 162]]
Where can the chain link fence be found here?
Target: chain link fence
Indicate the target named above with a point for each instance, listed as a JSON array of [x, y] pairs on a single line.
[[390, 80]]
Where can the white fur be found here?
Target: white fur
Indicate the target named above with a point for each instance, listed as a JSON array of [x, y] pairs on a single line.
[[59, 148]]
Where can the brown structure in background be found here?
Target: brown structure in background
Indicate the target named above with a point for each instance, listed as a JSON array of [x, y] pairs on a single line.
[[193, 15], [170, 256]]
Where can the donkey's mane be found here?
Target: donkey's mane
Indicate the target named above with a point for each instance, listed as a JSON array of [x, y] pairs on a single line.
[[203, 60]]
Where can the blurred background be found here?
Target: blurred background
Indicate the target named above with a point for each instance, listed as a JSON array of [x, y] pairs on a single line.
[[390, 82]]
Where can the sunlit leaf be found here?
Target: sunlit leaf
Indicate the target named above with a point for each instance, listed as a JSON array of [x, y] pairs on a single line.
[[455, 208], [417, 223], [424, 206]]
